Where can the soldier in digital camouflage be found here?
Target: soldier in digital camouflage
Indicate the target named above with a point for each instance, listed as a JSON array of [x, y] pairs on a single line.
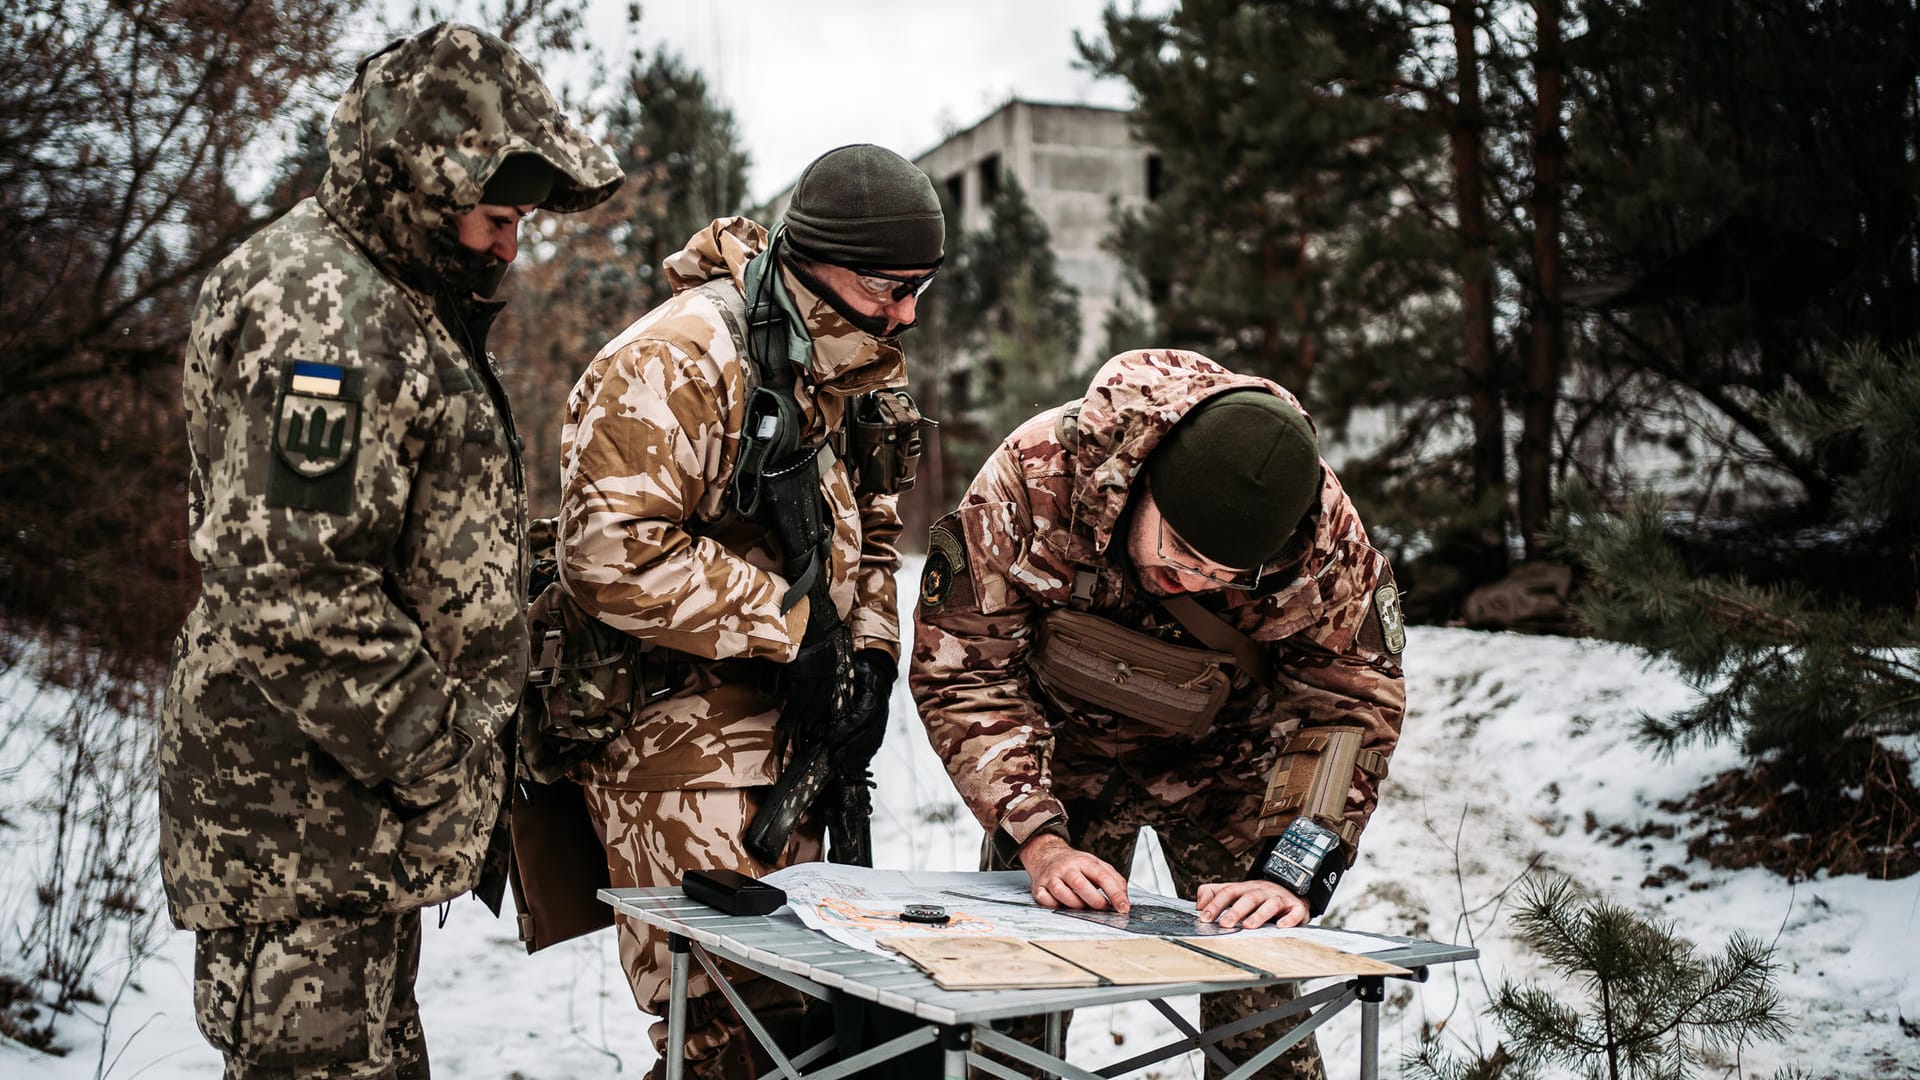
[[1173, 485], [331, 743], [653, 543]]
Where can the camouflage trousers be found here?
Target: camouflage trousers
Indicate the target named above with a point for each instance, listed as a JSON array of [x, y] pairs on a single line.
[[652, 837], [1106, 822], [317, 999]]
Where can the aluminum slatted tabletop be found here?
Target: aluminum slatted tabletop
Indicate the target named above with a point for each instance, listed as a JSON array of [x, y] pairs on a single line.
[[782, 948]]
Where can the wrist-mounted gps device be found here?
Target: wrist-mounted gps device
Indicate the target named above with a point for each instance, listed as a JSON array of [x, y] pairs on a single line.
[[1306, 860]]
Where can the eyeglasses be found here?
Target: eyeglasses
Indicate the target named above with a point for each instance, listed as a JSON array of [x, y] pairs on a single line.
[[1176, 555], [893, 288]]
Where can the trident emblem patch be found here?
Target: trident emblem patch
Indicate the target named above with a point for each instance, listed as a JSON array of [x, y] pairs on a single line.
[[316, 427]]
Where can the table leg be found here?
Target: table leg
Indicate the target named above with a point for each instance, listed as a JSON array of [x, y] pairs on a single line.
[[679, 947], [1057, 1034], [1372, 990], [954, 1043]]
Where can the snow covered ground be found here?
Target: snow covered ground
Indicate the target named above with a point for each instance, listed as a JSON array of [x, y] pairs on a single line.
[[1517, 754]]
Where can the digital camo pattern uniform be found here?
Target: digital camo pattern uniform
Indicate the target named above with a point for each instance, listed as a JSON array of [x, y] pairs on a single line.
[[329, 739], [1038, 512], [647, 547]]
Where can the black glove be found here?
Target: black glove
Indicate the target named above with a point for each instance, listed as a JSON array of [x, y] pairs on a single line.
[[857, 736], [819, 684]]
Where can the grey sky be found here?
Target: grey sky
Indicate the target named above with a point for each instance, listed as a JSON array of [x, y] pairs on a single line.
[[804, 76]]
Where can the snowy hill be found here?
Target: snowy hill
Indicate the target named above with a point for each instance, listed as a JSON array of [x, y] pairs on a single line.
[[1516, 755]]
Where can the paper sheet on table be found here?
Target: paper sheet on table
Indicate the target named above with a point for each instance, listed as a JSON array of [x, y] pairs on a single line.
[[1293, 958], [989, 963], [1139, 960]]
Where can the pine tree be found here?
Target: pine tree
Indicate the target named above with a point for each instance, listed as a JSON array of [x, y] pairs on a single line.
[[1633, 1000], [1810, 675], [1009, 325], [1745, 184], [1283, 149]]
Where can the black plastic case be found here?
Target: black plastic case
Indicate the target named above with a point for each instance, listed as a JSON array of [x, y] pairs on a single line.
[[732, 892]]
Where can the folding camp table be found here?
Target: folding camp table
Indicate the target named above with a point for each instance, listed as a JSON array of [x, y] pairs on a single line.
[[782, 948]]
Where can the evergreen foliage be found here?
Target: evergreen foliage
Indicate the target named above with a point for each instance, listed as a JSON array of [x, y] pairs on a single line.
[[1809, 680], [1633, 1000], [1286, 149], [1746, 204], [1009, 327]]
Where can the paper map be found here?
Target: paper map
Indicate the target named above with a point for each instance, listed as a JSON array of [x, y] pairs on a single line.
[[857, 905]]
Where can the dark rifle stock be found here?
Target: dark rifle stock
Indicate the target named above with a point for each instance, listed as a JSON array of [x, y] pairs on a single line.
[[800, 785]]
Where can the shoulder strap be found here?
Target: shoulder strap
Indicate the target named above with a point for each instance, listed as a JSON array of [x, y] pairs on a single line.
[[733, 311], [1218, 635]]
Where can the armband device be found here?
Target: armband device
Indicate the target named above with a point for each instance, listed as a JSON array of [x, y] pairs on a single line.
[[1306, 860], [1309, 791]]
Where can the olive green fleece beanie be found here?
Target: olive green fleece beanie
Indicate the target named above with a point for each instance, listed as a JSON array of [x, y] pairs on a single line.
[[1235, 476], [866, 207]]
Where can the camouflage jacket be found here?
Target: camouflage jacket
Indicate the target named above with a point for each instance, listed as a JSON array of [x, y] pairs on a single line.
[[647, 543], [329, 740], [1038, 513]]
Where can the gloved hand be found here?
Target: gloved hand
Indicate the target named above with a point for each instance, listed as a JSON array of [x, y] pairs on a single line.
[[819, 683], [856, 738]]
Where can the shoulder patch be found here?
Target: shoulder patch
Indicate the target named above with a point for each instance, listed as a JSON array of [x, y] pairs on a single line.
[[1386, 611], [946, 563], [316, 430]]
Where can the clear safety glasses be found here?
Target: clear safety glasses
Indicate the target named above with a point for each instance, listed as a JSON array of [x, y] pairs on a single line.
[[893, 288]]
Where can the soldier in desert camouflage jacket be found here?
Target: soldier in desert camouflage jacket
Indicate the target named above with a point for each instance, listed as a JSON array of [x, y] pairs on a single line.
[[1065, 515], [331, 756], [650, 546]]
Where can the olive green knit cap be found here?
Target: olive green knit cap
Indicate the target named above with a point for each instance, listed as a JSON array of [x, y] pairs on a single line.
[[865, 206], [1236, 475]]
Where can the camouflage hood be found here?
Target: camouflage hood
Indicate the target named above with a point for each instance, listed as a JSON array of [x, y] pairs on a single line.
[[845, 358], [1132, 402], [423, 127]]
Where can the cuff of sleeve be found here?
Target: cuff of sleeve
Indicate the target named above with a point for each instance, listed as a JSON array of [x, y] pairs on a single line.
[[1006, 850], [439, 781], [1031, 817], [880, 645]]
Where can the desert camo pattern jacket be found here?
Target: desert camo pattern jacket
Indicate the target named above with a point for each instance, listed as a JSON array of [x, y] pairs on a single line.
[[1038, 512], [646, 541], [328, 739]]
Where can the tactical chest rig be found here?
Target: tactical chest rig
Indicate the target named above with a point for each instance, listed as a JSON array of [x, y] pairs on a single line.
[[777, 477], [777, 481]]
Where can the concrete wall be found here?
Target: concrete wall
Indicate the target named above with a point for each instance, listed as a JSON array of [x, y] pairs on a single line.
[[1076, 163]]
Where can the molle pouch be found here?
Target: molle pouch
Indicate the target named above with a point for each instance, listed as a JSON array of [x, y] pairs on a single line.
[[886, 434], [769, 437], [587, 684], [1313, 776], [1176, 688]]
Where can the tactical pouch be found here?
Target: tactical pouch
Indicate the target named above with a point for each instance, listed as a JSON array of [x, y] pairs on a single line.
[[587, 683], [1175, 688], [1312, 778], [886, 434]]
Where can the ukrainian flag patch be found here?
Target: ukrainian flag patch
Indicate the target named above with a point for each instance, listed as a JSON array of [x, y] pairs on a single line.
[[319, 380]]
